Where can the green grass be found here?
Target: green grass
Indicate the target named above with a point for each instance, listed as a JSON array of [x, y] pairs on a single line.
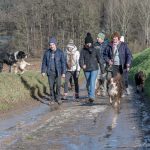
[[18, 88], [141, 61]]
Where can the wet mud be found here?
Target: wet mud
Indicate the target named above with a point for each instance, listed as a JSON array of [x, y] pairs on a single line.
[[77, 125]]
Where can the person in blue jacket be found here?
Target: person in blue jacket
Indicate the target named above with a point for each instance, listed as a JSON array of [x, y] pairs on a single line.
[[119, 57], [54, 66]]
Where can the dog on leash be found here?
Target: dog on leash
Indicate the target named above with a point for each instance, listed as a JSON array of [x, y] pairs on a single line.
[[21, 66], [10, 59], [115, 90], [139, 81]]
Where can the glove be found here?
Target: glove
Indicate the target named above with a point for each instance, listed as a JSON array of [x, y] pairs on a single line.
[[77, 74]]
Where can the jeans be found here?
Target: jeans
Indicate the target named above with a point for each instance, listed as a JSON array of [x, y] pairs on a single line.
[[55, 85], [91, 78]]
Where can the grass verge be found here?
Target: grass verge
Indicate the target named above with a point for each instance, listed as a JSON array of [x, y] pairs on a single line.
[[141, 61]]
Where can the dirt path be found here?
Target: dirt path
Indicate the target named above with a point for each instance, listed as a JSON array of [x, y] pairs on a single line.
[[79, 125]]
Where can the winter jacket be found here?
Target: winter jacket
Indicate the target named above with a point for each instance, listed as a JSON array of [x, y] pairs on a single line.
[[101, 47], [125, 55], [72, 59], [59, 62], [90, 57]]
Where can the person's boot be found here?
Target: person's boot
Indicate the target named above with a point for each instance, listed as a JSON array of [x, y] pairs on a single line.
[[77, 95], [127, 91], [65, 96], [91, 100], [59, 101]]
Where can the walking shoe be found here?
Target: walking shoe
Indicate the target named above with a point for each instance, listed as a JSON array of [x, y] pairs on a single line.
[[91, 100], [76, 95], [59, 102], [127, 91], [65, 96]]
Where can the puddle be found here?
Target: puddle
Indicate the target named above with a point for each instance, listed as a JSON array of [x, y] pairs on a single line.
[[17, 122]]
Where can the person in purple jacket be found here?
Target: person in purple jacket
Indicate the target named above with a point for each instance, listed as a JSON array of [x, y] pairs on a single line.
[[119, 57]]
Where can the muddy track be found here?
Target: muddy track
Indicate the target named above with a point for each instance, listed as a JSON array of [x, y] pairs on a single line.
[[80, 125]]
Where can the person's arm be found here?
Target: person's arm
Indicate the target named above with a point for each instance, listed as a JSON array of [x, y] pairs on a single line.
[[44, 64], [128, 56], [63, 64], [100, 61], [77, 60], [81, 60]]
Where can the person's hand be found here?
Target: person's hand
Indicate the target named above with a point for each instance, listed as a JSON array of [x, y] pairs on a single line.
[[128, 67], [84, 67], [43, 74], [110, 62], [63, 75], [77, 74]]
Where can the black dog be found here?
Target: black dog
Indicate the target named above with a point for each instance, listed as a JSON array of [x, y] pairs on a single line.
[[139, 81], [10, 58]]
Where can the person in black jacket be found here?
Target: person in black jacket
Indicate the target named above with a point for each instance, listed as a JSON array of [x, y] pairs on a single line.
[[89, 60]]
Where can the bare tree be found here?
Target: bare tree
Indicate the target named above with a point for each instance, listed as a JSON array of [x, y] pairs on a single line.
[[144, 19], [123, 13]]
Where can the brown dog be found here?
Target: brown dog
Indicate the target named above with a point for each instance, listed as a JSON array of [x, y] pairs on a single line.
[[115, 89], [139, 81]]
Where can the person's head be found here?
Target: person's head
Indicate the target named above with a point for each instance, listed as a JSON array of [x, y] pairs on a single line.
[[88, 40], [116, 37], [70, 45], [52, 43], [100, 37]]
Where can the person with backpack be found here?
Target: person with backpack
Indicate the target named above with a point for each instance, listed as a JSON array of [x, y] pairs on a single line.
[[73, 68]]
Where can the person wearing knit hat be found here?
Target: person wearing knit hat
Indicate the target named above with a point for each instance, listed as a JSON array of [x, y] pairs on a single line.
[[88, 38], [101, 82], [71, 44], [90, 61], [73, 68], [53, 65], [101, 36], [53, 41]]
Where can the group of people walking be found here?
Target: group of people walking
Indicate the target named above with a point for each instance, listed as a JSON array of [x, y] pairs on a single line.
[[99, 61]]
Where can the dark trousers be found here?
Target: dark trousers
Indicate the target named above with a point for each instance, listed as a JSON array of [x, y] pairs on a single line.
[[124, 73], [1, 67], [55, 86], [116, 69], [70, 74]]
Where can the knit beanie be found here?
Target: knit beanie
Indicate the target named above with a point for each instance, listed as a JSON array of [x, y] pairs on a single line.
[[88, 38], [101, 36], [53, 40], [70, 44]]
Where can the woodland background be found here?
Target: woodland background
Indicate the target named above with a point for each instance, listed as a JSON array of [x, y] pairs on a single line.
[[28, 24]]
